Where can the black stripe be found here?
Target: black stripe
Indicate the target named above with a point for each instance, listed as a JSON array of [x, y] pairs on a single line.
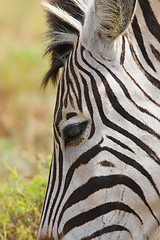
[[49, 193], [146, 95], [46, 194], [68, 84], [96, 212], [109, 229], [134, 164], [128, 96], [59, 103], [125, 90], [89, 105], [116, 105], [71, 8], [60, 166], [57, 99], [138, 36], [76, 196], [83, 159], [120, 143], [155, 52], [152, 79], [103, 182], [150, 19], [75, 79], [70, 115], [122, 58], [106, 163], [110, 124]]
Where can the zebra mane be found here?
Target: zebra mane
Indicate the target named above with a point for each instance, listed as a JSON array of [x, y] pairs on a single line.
[[65, 19]]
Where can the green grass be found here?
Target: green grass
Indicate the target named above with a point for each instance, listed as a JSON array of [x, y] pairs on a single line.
[[21, 203]]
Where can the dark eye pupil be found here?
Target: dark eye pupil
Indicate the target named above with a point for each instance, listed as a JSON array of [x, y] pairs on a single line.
[[73, 131]]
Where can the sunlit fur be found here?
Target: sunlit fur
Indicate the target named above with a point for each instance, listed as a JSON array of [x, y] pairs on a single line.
[[105, 184]]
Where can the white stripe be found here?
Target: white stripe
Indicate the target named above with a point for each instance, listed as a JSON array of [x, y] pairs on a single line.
[[82, 4], [63, 15]]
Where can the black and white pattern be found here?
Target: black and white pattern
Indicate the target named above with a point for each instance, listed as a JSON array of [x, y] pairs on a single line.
[[104, 180]]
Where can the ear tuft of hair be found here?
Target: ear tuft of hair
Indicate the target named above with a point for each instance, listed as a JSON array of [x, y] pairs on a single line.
[[65, 19], [114, 16]]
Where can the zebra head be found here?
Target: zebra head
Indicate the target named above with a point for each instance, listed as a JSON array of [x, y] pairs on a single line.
[[104, 180]]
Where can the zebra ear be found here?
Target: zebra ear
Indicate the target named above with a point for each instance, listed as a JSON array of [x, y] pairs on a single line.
[[106, 20], [113, 16]]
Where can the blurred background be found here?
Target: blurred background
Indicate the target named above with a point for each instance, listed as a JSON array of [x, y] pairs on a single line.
[[26, 110], [26, 113]]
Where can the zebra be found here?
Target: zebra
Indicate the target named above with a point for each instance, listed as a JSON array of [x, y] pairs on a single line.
[[104, 178]]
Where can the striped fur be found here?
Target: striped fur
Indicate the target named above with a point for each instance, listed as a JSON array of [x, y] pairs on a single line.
[[104, 180]]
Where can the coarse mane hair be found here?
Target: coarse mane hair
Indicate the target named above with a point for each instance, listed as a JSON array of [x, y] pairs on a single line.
[[65, 19]]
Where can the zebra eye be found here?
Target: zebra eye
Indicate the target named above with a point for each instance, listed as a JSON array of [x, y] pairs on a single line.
[[73, 132]]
